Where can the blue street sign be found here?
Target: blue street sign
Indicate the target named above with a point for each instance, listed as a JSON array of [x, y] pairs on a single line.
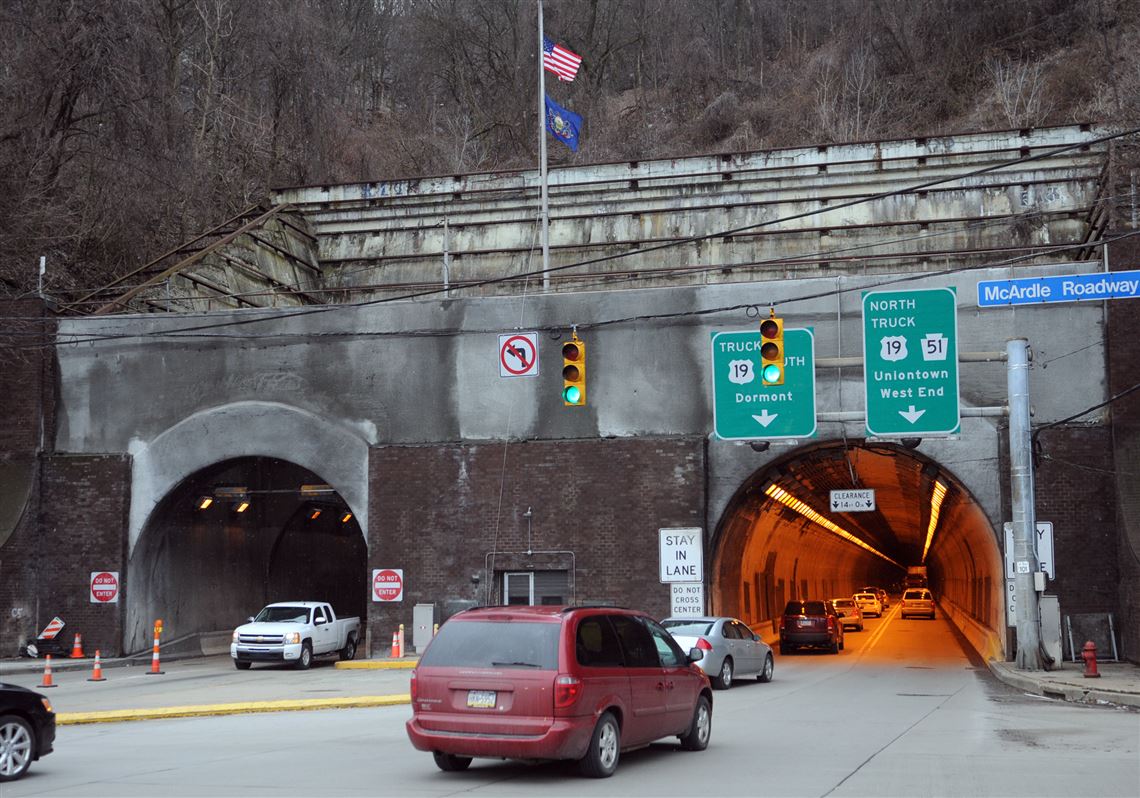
[[1062, 288]]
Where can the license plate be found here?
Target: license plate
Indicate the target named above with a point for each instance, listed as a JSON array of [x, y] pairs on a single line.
[[803, 622], [483, 699]]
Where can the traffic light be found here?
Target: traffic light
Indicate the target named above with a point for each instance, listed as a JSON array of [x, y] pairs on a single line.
[[772, 351], [574, 372]]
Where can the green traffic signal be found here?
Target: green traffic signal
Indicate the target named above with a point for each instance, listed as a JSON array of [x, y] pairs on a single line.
[[572, 395], [771, 374]]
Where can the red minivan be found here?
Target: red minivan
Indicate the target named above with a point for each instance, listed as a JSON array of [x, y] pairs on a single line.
[[531, 682]]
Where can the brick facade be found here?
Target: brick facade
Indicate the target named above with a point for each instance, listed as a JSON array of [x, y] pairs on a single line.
[[439, 512]]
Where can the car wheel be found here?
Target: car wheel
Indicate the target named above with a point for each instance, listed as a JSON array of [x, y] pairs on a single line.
[[601, 759], [349, 650], [859, 627], [242, 666], [305, 661], [450, 762], [842, 643], [17, 747], [769, 667], [785, 648], [834, 647], [723, 680], [697, 737]]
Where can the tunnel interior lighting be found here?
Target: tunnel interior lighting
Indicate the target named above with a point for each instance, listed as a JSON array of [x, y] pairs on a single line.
[[791, 502], [204, 502], [936, 497], [241, 506], [310, 491], [315, 513], [344, 519]]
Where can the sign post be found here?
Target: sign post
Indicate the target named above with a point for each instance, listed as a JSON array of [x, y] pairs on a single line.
[[910, 363], [104, 587], [387, 584], [743, 407], [853, 501], [682, 555]]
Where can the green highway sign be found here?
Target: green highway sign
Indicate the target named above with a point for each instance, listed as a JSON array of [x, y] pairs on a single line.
[[910, 362], [746, 410]]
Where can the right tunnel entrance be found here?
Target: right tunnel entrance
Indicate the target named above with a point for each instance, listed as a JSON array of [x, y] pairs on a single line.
[[778, 539]]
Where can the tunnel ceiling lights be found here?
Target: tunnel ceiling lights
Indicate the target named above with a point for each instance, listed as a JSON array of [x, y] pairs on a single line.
[[788, 500], [936, 497]]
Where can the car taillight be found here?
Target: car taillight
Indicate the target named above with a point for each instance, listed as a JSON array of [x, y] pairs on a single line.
[[830, 622], [704, 645], [566, 691], [783, 623], [412, 687], [903, 604]]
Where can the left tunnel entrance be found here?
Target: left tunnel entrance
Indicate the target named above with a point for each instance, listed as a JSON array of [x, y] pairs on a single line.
[[235, 536], [779, 541]]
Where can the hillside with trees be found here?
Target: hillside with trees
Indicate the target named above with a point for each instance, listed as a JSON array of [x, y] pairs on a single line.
[[129, 126]]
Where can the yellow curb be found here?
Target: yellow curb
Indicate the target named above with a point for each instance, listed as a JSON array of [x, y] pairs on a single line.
[[202, 710], [377, 664]]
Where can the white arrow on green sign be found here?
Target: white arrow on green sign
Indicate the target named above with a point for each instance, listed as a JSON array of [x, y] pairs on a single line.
[[744, 409], [910, 362]]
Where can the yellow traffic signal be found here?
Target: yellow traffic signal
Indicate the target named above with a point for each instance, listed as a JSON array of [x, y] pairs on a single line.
[[574, 372], [772, 351]]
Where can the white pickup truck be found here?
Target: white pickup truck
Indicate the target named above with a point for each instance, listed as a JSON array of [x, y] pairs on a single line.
[[294, 631]]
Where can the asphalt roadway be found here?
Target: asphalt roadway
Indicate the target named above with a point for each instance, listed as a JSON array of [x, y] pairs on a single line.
[[204, 686]]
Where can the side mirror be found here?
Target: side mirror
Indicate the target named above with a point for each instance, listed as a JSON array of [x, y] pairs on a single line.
[[249, 619], [755, 637], [696, 654]]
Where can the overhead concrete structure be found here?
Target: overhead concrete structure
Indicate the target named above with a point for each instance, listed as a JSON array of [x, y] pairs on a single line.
[[463, 478]]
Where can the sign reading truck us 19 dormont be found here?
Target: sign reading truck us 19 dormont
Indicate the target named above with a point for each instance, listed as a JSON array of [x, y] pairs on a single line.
[[910, 362], [744, 408]]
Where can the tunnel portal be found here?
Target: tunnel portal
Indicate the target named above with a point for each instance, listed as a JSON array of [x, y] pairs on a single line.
[[778, 540], [238, 535]]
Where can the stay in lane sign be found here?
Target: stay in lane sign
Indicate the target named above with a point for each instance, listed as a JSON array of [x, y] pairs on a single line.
[[744, 408], [910, 362]]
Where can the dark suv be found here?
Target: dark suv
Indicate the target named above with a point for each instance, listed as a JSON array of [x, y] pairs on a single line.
[[813, 623], [582, 683]]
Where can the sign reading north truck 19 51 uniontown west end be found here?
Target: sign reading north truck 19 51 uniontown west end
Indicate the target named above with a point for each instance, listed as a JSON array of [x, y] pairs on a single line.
[[744, 408], [910, 362]]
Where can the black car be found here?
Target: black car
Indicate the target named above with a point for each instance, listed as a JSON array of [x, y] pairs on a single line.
[[813, 624], [27, 729]]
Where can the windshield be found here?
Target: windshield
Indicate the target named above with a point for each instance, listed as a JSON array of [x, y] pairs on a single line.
[[495, 644], [844, 603], [283, 615], [679, 627]]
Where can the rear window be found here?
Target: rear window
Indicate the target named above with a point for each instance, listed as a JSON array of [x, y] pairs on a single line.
[[495, 644], [805, 608], [915, 595], [867, 596], [679, 627], [844, 603]]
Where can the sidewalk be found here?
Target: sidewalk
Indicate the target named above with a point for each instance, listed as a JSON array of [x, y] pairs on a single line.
[[201, 686], [1119, 682]]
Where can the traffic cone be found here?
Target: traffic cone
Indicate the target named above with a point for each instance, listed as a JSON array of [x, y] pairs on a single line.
[[77, 647], [97, 673], [155, 670], [47, 673], [395, 645]]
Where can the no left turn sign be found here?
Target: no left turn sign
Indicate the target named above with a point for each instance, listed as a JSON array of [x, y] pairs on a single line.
[[518, 355], [104, 587]]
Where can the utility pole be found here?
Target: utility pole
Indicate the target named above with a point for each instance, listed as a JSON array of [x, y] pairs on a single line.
[[1024, 516]]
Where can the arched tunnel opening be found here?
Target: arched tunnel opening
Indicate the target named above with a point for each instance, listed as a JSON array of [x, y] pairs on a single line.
[[236, 536], [778, 539]]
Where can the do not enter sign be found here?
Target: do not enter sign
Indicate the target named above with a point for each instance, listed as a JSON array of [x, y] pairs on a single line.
[[104, 587], [388, 584]]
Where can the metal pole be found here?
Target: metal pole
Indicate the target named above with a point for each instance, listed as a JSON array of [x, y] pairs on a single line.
[[542, 158], [1024, 518]]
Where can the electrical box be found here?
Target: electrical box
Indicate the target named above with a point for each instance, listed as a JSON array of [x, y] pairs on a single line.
[[423, 621]]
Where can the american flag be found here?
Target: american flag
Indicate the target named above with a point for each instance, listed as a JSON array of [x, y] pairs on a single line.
[[559, 60]]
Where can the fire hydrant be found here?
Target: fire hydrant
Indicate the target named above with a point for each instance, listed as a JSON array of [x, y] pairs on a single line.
[[1088, 654]]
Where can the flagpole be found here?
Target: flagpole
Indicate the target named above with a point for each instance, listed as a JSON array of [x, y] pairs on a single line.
[[542, 159]]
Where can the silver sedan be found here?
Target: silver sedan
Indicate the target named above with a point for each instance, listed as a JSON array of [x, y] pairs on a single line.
[[731, 648]]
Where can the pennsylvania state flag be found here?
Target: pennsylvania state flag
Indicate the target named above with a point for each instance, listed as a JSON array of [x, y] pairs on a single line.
[[563, 125]]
